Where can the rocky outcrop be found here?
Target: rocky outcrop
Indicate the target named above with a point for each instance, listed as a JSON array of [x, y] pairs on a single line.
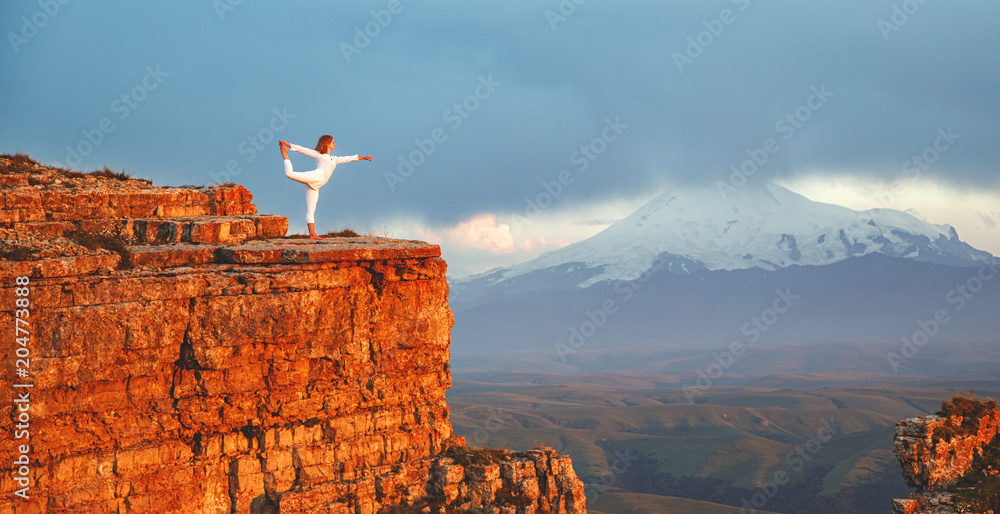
[[934, 456], [225, 368], [933, 465]]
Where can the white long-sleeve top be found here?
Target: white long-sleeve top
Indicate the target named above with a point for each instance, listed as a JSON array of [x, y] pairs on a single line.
[[325, 164]]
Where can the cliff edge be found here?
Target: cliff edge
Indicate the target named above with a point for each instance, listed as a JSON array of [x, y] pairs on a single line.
[[170, 350]]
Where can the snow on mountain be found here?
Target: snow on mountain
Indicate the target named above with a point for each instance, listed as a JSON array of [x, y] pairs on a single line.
[[761, 225]]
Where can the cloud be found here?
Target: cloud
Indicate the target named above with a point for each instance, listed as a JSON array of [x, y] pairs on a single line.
[[537, 244], [990, 220], [487, 240], [480, 232]]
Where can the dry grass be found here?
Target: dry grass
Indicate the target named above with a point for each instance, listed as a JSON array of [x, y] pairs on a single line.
[[344, 232], [17, 253], [112, 174], [94, 241], [967, 406], [467, 456], [19, 163]]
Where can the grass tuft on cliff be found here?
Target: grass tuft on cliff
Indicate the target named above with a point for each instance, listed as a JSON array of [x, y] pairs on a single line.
[[112, 174], [482, 456], [94, 241], [20, 158], [17, 253], [22, 163], [19, 163], [345, 232], [967, 406]]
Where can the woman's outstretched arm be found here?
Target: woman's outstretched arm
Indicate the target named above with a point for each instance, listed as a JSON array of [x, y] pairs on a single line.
[[301, 149], [352, 158]]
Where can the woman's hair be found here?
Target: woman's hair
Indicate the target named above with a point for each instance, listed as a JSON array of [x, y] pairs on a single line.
[[323, 141]]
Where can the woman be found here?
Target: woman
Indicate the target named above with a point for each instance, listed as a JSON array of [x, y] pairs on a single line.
[[325, 163]]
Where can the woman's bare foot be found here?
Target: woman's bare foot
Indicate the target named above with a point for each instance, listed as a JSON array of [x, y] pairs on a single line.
[[284, 149], [312, 231]]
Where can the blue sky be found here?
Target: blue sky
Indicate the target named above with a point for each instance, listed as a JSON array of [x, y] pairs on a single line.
[[590, 107]]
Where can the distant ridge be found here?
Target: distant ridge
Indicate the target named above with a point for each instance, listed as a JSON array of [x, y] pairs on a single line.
[[762, 225], [691, 268]]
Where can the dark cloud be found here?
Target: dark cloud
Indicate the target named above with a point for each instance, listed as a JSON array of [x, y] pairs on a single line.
[[557, 90]]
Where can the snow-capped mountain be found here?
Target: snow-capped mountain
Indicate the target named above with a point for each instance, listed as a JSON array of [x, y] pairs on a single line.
[[761, 225], [691, 269]]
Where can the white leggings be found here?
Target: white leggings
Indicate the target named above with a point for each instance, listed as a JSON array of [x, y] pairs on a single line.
[[312, 195]]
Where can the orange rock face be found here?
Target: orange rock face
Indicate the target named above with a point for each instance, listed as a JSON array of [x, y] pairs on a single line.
[[932, 465], [236, 374]]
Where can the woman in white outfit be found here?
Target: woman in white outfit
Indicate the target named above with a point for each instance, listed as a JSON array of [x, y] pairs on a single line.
[[325, 163]]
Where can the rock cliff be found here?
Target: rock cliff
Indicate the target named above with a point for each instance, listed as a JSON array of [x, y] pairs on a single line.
[[211, 364], [952, 460]]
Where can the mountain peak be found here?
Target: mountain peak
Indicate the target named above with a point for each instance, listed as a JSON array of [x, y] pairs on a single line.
[[761, 225]]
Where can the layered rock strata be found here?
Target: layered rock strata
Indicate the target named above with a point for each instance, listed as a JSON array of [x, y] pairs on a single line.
[[933, 464], [236, 372]]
